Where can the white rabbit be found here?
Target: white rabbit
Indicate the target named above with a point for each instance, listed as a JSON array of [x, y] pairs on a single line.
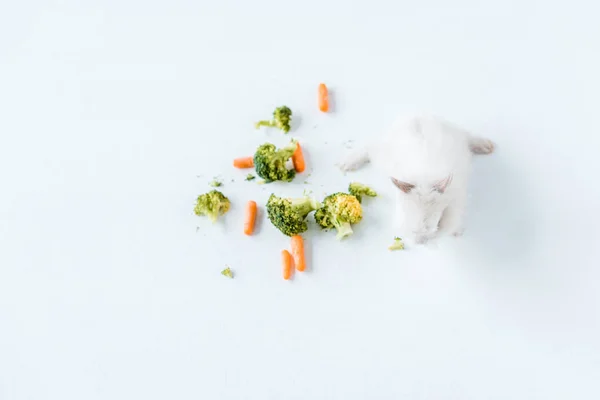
[[428, 160]]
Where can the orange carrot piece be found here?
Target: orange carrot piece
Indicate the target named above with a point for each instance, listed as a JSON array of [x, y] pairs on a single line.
[[286, 262], [323, 98], [250, 217], [298, 159], [298, 252], [243, 162]]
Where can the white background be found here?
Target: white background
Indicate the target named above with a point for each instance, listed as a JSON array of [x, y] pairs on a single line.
[[114, 116]]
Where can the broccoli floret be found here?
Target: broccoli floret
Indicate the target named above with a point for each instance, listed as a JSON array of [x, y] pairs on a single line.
[[397, 245], [359, 190], [272, 164], [289, 215], [250, 177], [339, 211], [282, 117], [212, 204]]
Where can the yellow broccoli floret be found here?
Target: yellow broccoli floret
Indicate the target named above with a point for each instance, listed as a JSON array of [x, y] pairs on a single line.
[[339, 211]]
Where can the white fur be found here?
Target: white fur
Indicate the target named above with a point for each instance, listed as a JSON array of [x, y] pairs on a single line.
[[434, 158]]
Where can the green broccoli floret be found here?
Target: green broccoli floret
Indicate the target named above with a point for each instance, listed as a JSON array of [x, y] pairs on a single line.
[[282, 117], [272, 164], [359, 190], [339, 211], [250, 177], [212, 204], [289, 215]]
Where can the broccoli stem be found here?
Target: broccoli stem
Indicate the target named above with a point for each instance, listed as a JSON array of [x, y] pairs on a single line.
[[304, 205], [213, 216], [398, 245], [291, 147], [265, 123], [344, 229]]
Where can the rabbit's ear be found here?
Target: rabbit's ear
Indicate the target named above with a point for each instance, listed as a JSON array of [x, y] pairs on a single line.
[[442, 185], [404, 186]]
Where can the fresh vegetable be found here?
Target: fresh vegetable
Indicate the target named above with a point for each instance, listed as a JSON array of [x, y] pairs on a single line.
[[340, 211], [272, 164], [323, 98], [212, 204], [298, 158], [243, 162], [227, 272], [397, 245], [250, 177], [250, 217], [298, 252], [216, 183], [286, 263], [289, 215], [359, 190], [282, 118]]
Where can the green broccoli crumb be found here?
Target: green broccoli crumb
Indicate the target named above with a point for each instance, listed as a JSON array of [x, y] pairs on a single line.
[[397, 245], [250, 177], [216, 183], [227, 272]]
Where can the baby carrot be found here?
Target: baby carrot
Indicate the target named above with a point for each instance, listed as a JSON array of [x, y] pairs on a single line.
[[286, 261], [243, 162], [298, 252], [298, 159], [250, 217], [323, 98]]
